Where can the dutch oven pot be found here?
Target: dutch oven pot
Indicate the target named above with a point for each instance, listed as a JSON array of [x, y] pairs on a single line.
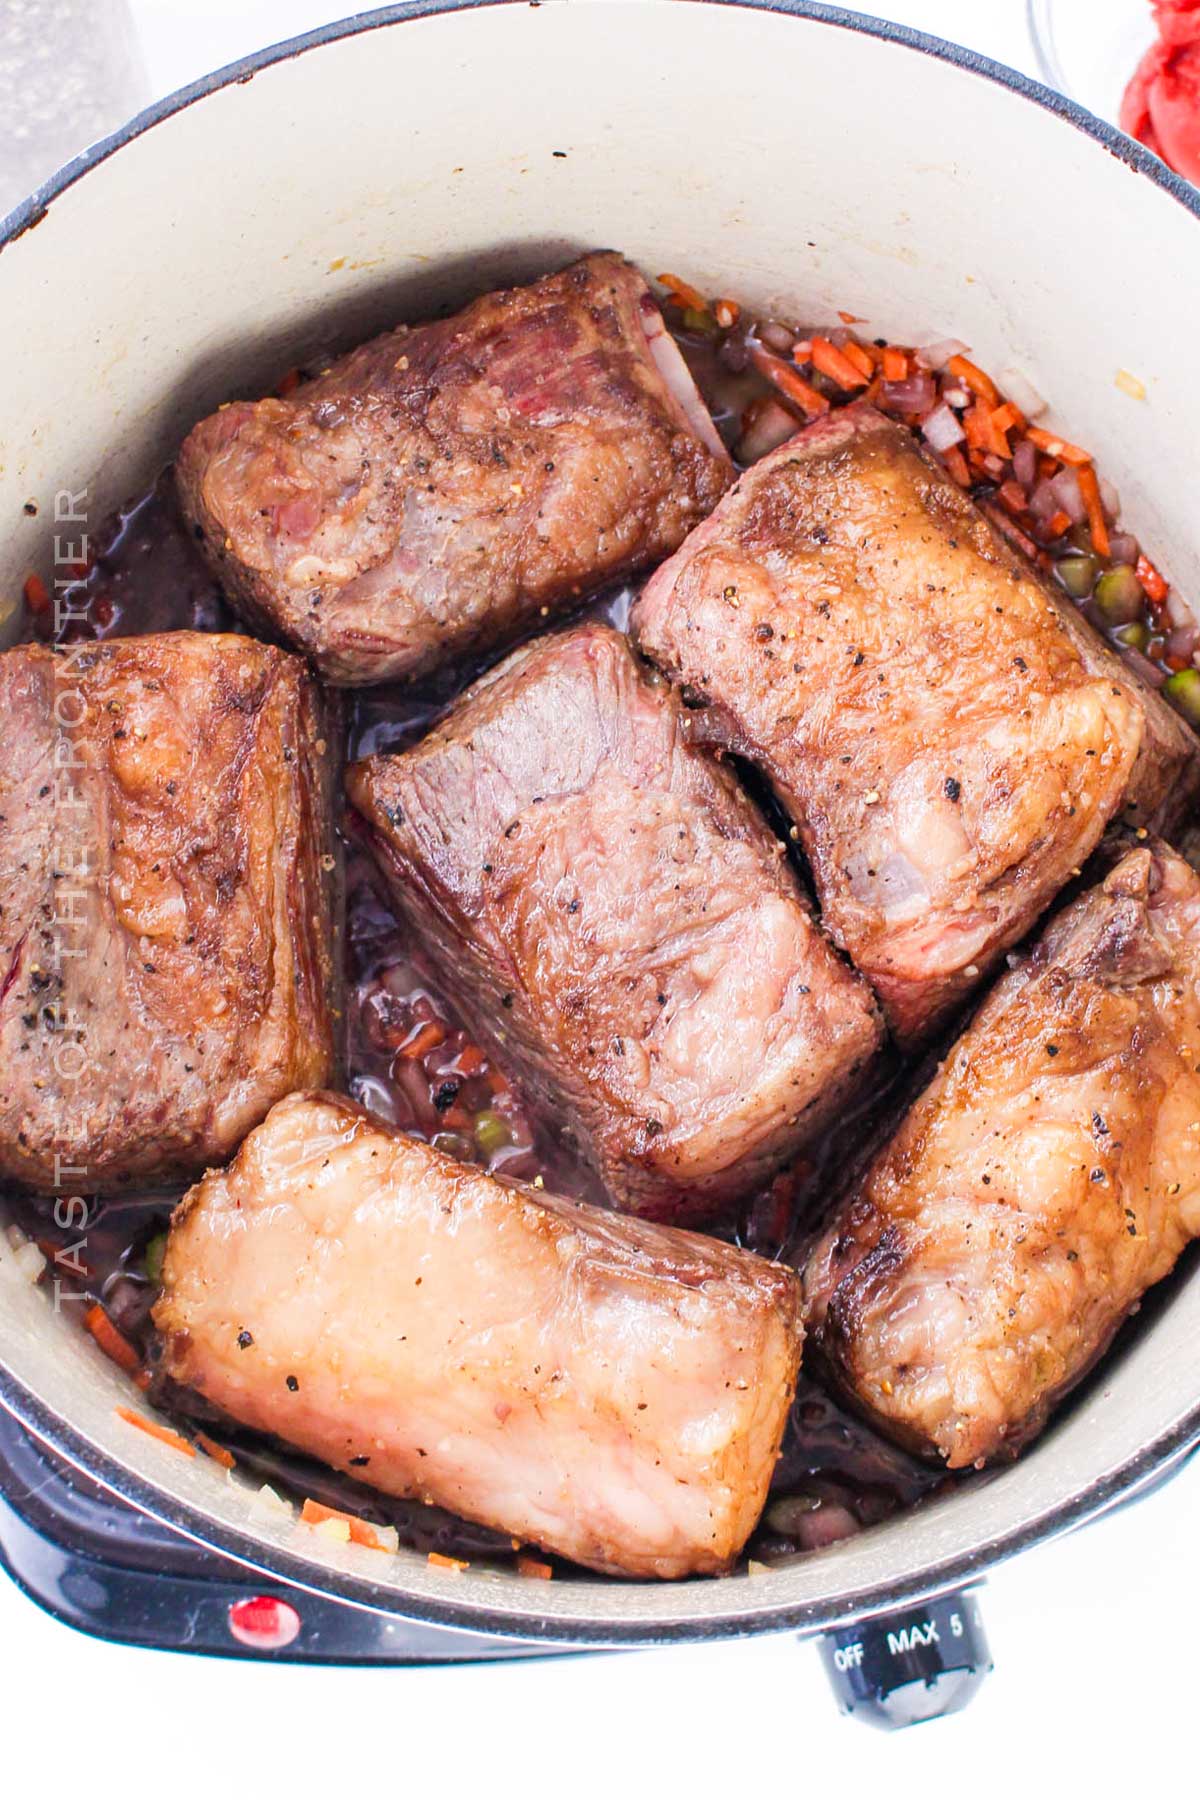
[[788, 154]]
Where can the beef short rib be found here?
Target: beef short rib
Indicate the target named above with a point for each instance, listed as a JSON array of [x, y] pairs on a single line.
[[615, 918], [442, 488], [950, 737], [166, 929]]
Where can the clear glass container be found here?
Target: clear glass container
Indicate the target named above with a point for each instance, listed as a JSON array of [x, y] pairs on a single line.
[[70, 72], [1088, 49]]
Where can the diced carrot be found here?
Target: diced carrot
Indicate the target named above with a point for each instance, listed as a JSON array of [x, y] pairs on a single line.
[[1008, 417], [1078, 459], [1012, 495], [1089, 487], [533, 1569], [976, 422], [788, 381], [218, 1452], [998, 443], [37, 597], [427, 1037], [956, 466], [895, 364], [829, 360], [313, 1512], [153, 1429], [726, 313], [974, 378], [1057, 447], [497, 1082], [849, 318], [142, 1379], [111, 1341], [1176, 663], [470, 1060], [1156, 586], [1000, 423], [457, 1118], [447, 1562], [861, 359], [1057, 524], [683, 291], [288, 385]]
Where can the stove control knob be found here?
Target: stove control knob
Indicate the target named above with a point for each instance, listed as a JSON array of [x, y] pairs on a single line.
[[905, 1667]]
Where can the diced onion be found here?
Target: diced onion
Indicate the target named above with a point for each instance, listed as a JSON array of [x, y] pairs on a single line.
[[766, 425], [267, 1501], [777, 336], [1181, 642], [1043, 502], [1178, 610], [936, 356], [916, 394], [30, 1263], [1021, 391], [943, 429], [1025, 464], [1122, 547], [1066, 490], [827, 1525], [1110, 499]]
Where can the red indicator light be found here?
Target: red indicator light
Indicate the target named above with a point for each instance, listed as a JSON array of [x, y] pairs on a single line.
[[264, 1623]]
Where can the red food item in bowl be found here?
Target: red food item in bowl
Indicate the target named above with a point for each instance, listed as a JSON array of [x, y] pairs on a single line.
[[1161, 106]]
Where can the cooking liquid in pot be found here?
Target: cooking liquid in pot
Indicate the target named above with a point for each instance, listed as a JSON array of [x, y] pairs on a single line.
[[411, 1059]]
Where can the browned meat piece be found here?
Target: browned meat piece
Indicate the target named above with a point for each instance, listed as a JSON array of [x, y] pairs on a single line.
[[950, 738], [610, 911], [1046, 1178], [610, 1389], [165, 917], [441, 488]]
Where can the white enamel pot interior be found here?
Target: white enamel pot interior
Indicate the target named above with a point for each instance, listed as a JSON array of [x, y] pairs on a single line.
[[796, 157]]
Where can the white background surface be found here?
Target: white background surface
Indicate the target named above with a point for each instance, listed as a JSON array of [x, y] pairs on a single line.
[[1094, 1689]]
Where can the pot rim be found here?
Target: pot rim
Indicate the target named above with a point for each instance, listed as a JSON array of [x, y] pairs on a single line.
[[1154, 1461], [30, 212], [501, 1617]]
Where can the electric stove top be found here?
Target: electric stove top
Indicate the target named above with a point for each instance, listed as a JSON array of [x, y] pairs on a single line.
[[99, 1564]]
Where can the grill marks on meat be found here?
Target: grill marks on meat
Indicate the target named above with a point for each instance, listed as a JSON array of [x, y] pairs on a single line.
[[614, 913], [613, 1390], [165, 918], [441, 487], [1047, 1177], [950, 739]]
